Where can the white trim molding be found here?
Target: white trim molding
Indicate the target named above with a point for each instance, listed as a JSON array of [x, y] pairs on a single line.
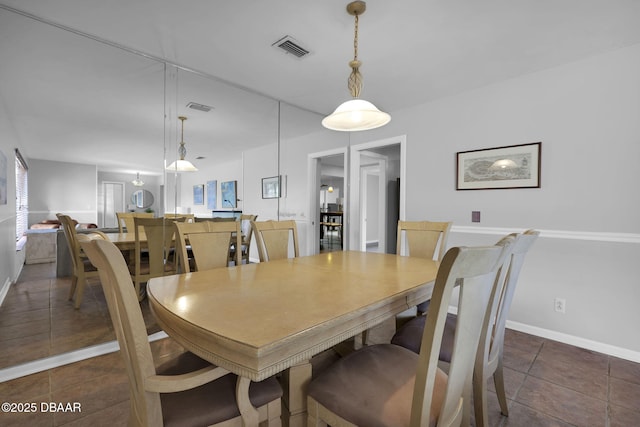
[[554, 234], [58, 360]]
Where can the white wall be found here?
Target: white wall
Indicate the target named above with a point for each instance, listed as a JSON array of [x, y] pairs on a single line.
[[61, 187], [586, 114]]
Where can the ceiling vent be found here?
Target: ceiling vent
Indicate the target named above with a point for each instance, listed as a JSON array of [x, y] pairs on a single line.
[[290, 45], [199, 107]]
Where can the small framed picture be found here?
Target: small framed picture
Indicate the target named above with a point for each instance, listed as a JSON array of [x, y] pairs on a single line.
[[513, 166], [198, 194], [271, 187]]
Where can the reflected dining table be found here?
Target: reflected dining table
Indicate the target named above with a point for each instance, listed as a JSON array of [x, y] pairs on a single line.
[[258, 320]]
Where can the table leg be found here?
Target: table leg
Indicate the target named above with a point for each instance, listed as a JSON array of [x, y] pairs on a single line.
[[294, 382]]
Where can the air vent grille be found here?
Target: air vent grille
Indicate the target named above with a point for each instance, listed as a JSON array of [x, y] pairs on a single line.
[[291, 46], [199, 107]]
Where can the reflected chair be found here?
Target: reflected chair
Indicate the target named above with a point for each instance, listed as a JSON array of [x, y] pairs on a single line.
[[186, 390], [209, 243], [153, 251], [247, 234], [82, 267], [388, 385], [273, 237], [188, 217], [424, 239], [125, 220], [490, 351]]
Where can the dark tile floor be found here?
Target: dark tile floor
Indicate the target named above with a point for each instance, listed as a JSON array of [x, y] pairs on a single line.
[[548, 383]]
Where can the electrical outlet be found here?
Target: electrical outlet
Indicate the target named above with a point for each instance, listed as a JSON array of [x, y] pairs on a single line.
[[559, 304]]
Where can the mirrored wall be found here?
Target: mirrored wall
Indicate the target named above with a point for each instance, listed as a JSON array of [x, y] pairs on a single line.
[[92, 117]]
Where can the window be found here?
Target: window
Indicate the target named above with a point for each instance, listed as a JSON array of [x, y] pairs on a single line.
[[22, 196]]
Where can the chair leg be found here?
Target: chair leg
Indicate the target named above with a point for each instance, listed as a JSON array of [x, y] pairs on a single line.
[[312, 414], [498, 380], [82, 281], [72, 289]]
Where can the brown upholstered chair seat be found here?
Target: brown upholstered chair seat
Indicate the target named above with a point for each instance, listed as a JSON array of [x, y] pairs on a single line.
[[211, 403], [409, 335], [385, 403]]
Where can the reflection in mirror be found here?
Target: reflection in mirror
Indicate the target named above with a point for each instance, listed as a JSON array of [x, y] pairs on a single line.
[[87, 116], [142, 199]]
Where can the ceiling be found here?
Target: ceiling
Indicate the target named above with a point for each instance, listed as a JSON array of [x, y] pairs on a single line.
[[412, 52]]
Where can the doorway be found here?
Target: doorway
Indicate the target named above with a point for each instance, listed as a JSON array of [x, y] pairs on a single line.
[[328, 200], [377, 189], [113, 201]]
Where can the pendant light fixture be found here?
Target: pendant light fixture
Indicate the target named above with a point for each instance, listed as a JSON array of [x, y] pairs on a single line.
[[356, 114], [182, 165], [138, 182]]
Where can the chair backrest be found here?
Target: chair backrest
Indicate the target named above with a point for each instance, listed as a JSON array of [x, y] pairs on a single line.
[[247, 230], [493, 339], [272, 238], [129, 326], [188, 217], [474, 270], [159, 235], [125, 220], [424, 239], [69, 229], [210, 243]]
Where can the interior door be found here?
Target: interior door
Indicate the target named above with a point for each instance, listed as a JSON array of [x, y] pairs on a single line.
[[113, 202]]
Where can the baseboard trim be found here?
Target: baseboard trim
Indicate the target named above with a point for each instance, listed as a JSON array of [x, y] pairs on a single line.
[[610, 350], [4, 290], [573, 340], [58, 360], [554, 234]]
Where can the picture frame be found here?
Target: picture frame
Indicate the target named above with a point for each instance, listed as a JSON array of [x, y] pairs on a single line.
[[512, 166], [198, 194], [229, 195], [212, 194], [271, 187]]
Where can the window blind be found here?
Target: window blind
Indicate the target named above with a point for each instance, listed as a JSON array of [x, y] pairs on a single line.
[[22, 196]]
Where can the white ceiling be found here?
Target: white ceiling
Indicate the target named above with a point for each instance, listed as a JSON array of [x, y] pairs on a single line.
[[413, 51]]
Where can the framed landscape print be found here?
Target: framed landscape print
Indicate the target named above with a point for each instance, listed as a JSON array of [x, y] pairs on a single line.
[[198, 194], [271, 187], [228, 194], [212, 194], [513, 166]]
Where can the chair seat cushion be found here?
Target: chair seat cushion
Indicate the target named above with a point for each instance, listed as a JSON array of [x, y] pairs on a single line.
[[374, 387], [410, 335], [212, 402]]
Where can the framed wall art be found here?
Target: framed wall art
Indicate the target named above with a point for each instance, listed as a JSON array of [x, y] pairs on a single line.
[[271, 187], [198, 194], [228, 194], [513, 166], [212, 194]]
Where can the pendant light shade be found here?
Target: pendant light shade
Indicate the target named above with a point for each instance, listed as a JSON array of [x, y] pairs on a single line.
[[356, 114], [182, 165], [138, 182]]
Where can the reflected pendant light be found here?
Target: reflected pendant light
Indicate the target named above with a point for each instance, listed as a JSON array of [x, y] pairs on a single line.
[[182, 165], [356, 114], [138, 182]]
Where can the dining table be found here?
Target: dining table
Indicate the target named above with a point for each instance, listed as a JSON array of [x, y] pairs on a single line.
[[262, 319]]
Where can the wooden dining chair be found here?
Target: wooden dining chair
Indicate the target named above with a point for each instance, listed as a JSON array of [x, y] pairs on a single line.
[[247, 235], [208, 242], [82, 267], [186, 390], [273, 238], [490, 351], [188, 217], [388, 385], [125, 220], [423, 239], [154, 253]]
